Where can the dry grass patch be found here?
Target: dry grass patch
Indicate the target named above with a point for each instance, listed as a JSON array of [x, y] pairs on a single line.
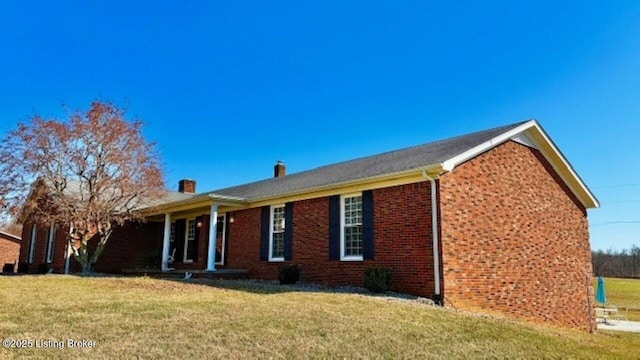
[[147, 318]]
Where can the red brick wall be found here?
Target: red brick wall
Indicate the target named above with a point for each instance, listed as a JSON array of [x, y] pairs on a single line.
[[402, 237], [131, 246], [42, 233], [244, 244], [134, 245], [515, 240], [9, 250]]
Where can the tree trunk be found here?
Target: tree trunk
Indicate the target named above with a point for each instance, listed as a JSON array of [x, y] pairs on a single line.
[[82, 254]]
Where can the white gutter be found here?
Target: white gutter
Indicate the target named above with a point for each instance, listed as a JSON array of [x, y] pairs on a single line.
[[435, 236]]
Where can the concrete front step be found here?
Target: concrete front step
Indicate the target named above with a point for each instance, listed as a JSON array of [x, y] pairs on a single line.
[[230, 274]]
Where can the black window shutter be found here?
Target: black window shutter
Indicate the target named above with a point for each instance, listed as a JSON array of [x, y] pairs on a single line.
[[264, 233], [288, 231], [227, 220], [367, 225], [334, 227], [196, 239]]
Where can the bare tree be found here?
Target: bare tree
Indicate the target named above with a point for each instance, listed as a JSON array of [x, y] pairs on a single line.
[[622, 263], [89, 172]]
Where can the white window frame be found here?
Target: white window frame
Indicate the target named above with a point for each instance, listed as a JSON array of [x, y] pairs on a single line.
[[344, 257], [186, 239], [271, 232], [50, 243], [32, 243]]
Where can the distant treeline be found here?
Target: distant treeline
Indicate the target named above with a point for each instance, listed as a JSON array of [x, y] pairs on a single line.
[[624, 263]]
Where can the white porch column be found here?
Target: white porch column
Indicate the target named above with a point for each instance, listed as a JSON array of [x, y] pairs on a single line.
[[213, 230], [166, 242]]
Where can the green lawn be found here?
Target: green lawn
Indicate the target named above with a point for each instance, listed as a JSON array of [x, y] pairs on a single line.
[[623, 293], [147, 318]]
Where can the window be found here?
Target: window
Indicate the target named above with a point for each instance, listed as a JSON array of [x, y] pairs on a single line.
[[32, 244], [351, 244], [190, 241], [276, 234], [51, 240]]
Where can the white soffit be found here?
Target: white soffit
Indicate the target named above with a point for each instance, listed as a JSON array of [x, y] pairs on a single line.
[[524, 139]]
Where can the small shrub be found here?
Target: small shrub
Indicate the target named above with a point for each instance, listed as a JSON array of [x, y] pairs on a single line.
[[7, 268], [289, 274], [23, 268], [377, 279], [43, 268]]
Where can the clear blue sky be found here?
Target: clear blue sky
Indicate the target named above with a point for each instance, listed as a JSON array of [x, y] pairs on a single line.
[[229, 87]]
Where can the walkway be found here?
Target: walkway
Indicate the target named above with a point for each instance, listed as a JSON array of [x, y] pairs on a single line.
[[620, 325]]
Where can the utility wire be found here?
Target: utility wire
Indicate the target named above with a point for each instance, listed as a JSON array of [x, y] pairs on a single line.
[[615, 186], [615, 222]]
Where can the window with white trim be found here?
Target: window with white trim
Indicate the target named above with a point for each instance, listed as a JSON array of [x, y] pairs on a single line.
[[32, 243], [51, 240], [190, 243], [276, 233], [351, 244]]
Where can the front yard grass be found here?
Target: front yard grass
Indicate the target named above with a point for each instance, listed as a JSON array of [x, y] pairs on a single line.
[[149, 318]]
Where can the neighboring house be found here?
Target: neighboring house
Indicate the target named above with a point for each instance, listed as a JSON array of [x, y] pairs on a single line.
[[495, 220], [9, 250]]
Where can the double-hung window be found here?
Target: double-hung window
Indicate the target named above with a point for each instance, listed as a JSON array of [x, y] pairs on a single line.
[[276, 233], [351, 244], [51, 240], [190, 241], [32, 244]]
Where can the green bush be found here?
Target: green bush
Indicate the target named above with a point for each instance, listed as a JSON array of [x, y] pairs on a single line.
[[377, 279], [289, 274]]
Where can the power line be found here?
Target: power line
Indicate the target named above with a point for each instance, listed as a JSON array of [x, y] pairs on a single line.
[[615, 186], [614, 223]]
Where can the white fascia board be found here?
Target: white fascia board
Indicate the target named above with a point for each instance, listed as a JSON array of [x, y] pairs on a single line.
[[565, 164], [450, 164], [531, 125]]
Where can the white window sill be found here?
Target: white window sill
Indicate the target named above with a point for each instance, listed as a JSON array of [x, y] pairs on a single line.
[[276, 260], [187, 261], [352, 258]]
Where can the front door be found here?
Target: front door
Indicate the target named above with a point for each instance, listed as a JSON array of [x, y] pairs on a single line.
[[221, 231]]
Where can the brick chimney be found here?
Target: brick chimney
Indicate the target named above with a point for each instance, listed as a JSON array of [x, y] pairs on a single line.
[[279, 169], [187, 186]]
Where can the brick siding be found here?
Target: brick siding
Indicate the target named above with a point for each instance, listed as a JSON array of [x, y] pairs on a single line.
[[515, 239], [9, 250], [402, 238]]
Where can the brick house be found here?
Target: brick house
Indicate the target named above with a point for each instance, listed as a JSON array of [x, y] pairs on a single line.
[[9, 249], [493, 221]]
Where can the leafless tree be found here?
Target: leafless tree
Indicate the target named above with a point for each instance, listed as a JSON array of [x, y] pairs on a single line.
[[90, 172]]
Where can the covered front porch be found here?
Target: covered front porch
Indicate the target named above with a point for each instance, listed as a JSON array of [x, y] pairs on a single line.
[[196, 233]]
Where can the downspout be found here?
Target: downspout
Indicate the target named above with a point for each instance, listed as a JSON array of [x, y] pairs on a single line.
[[435, 236]]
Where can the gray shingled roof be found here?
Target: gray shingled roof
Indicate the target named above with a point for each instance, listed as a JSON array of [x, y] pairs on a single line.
[[73, 189], [386, 163]]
